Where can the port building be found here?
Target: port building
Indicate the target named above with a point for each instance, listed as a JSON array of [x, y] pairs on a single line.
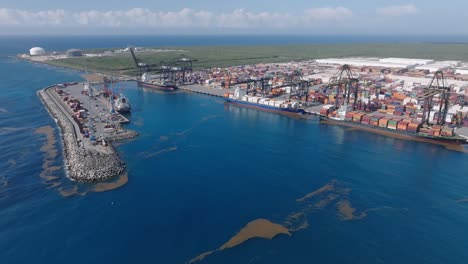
[[74, 53], [376, 62]]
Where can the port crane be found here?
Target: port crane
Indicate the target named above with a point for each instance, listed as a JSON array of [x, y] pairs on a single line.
[[252, 84], [142, 67], [299, 87], [346, 85], [175, 71], [437, 86]]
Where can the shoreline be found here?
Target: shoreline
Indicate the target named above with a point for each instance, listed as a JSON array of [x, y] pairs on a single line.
[[82, 164]]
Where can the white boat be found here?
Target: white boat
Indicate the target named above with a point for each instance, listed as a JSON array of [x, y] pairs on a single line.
[[122, 104]]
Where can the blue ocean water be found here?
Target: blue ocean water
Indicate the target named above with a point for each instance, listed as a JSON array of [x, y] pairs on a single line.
[[201, 170]]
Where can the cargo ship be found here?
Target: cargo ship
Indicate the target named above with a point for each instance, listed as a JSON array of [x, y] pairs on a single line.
[[147, 82], [393, 125], [122, 104], [269, 104]]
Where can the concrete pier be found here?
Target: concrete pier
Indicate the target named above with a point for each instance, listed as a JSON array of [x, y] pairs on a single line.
[[86, 160]]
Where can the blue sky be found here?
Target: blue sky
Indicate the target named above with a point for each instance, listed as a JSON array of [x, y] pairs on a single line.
[[350, 17]]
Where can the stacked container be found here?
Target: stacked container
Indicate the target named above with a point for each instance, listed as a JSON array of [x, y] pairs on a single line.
[[392, 123], [374, 121], [383, 122], [366, 119], [349, 116], [357, 118], [402, 125], [447, 132], [414, 127], [436, 131]]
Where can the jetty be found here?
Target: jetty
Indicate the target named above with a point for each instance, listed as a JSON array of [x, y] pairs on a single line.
[[87, 130]]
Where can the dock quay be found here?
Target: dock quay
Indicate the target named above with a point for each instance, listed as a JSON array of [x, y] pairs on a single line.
[[208, 90], [87, 130]]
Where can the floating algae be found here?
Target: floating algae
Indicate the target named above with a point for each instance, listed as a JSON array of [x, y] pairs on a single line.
[[3, 110], [201, 257], [203, 120], [68, 192], [261, 228], [50, 154], [159, 152], [53, 185], [298, 220], [326, 188], [464, 200], [99, 187], [325, 201], [103, 187], [346, 211]]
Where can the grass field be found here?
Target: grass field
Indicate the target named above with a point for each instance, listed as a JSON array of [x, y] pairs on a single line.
[[221, 56]]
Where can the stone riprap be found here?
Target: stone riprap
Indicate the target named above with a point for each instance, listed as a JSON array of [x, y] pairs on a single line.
[[83, 164]]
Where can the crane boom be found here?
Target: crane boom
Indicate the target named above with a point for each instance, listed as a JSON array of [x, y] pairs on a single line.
[[134, 57]]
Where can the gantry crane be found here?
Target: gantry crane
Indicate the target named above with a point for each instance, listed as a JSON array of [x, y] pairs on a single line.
[[437, 86], [299, 86], [175, 71], [346, 86]]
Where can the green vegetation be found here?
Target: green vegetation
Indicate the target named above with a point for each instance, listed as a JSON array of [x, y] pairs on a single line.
[[222, 56]]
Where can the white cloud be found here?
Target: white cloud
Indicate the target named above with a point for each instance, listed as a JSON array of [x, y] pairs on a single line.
[[398, 10], [184, 18], [327, 13]]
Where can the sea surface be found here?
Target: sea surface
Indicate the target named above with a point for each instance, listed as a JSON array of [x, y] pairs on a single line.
[[202, 170]]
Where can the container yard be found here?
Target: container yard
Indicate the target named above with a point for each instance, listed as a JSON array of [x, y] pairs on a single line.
[[415, 97]]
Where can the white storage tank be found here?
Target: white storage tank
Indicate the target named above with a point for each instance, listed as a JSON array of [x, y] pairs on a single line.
[[37, 51]]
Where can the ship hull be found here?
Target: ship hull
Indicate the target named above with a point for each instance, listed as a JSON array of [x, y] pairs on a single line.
[[268, 108], [123, 109], [396, 133], [157, 86]]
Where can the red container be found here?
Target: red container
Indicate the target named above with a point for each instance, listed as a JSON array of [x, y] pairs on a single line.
[[402, 125]]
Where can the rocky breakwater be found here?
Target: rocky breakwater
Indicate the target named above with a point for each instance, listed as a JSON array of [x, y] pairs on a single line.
[[83, 163]]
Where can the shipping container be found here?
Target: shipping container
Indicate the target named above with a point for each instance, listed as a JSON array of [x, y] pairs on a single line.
[[402, 125], [349, 116], [383, 122], [366, 118], [357, 118]]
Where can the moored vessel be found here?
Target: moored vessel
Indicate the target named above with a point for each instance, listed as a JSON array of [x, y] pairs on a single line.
[[393, 125], [147, 82], [122, 104], [269, 104]]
